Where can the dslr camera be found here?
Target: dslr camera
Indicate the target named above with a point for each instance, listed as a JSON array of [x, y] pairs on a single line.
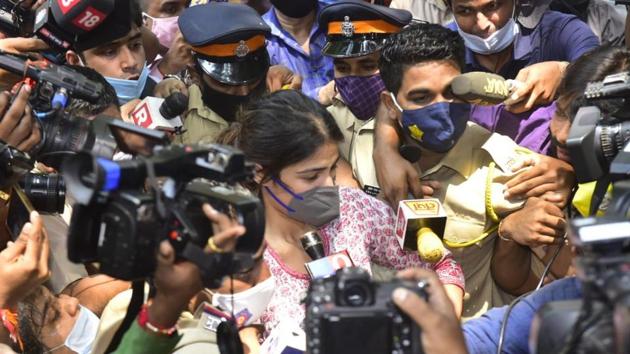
[[351, 314], [125, 209]]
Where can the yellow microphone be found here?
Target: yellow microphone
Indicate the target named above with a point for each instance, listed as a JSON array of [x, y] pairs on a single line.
[[430, 247], [419, 226]]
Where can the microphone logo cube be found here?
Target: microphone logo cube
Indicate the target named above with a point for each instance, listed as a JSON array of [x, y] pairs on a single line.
[[417, 213], [142, 116]]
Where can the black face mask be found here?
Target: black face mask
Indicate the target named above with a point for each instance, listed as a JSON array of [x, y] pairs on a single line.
[[295, 8], [227, 105]]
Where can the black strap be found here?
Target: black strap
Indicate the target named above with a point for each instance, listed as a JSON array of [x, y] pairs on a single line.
[[599, 193], [137, 299]]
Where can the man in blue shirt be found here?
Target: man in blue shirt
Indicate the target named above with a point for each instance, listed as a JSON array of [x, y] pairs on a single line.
[[440, 328], [296, 41]]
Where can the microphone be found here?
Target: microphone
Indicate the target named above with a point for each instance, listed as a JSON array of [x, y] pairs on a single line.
[[286, 338], [160, 113], [312, 244], [482, 88], [418, 224]]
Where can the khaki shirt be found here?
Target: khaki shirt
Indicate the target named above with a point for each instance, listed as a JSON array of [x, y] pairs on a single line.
[[358, 143], [463, 173], [202, 125], [432, 11]]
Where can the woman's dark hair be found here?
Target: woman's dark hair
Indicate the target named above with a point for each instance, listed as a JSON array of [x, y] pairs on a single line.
[[281, 129], [591, 67]]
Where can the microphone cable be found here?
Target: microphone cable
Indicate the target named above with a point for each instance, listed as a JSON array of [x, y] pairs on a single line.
[[540, 282]]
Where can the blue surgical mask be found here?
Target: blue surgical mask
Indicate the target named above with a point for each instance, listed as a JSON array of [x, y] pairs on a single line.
[[83, 333], [436, 127], [496, 42], [127, 90]]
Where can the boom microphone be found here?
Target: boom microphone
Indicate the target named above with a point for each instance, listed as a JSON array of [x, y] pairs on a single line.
[[480, 88]]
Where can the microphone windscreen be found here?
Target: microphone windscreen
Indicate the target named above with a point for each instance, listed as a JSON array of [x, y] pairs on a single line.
[[480, 88], [174, 105]]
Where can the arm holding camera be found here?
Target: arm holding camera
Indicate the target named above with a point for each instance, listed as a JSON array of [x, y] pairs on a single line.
[[440, 328], [18, 127], [176, 283], [24, 263]]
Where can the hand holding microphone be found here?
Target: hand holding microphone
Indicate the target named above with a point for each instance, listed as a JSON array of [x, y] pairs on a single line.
[[322, 266], [483, 88]]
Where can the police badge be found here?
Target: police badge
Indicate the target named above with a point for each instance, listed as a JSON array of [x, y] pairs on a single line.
[[347, 28], [242, 49]]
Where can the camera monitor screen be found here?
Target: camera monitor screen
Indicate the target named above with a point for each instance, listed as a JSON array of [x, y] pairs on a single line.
[[356, 334], [136, 140]]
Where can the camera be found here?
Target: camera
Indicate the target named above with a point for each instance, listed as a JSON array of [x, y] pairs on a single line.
[[599, 147], [599, 135], [349, 313], [54, 86], [123, 211], [47, 192], [600, 321]]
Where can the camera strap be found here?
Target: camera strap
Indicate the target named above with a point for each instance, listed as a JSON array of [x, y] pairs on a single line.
[[601, 187], [137, 299]]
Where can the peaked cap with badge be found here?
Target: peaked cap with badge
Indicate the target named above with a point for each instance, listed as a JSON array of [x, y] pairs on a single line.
[[228, 41], [357, 28]]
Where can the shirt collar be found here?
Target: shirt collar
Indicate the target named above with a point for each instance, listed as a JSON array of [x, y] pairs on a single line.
[[461, 157], [195, 103]]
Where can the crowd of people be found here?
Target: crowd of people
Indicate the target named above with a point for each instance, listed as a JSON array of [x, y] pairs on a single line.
[[345, 109]]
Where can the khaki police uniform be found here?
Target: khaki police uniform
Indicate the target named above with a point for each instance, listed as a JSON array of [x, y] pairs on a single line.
[[473, 176], [358, 143], [201, 124]]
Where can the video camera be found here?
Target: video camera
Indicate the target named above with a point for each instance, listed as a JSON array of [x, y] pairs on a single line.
[[54, 86], [600, 132], [598, 142], [600, 322], [120, 225], [348, 313]]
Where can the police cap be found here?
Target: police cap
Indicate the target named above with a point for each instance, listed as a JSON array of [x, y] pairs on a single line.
[[357, 28], [228, 41]]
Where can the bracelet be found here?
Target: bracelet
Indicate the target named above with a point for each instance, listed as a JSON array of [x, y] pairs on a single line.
[[10, 322], [499, 232], [143, 321], [213, 247]]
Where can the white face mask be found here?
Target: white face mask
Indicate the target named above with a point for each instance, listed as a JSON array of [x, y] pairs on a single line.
[[83, 333], [496, 42], [249, 304]]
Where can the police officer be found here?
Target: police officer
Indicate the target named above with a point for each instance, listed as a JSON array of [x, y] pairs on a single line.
[[356, 31], [230, 58]]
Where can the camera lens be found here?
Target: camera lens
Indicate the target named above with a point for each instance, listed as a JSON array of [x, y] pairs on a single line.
[[47, 193]]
